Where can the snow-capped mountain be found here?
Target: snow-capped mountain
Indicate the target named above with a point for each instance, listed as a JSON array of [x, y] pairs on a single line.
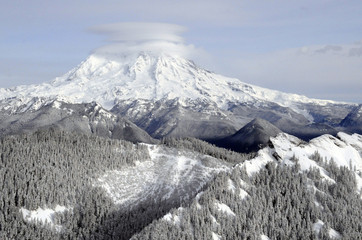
[[108, 79], [148, 88]]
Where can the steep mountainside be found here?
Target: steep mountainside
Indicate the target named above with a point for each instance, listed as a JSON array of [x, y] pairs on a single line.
[[169, 96]]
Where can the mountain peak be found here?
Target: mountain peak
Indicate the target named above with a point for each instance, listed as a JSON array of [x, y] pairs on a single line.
[[353, 119], [137, 76], [251, 137], [257, 127]]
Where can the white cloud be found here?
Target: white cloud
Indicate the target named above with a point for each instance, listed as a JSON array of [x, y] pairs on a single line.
[[135, 37], [140, 31]]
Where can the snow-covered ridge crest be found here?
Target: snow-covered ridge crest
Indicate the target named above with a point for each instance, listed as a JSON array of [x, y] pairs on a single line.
[[344, 150], [107, 79]]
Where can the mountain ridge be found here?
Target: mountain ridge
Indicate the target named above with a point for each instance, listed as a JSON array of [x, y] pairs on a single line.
[[83, 118]]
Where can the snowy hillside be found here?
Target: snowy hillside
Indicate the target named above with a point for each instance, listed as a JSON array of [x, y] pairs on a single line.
[[170, 174]]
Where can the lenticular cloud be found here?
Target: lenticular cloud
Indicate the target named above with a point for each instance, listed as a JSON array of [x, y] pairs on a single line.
[[138, 32], [132, 38]]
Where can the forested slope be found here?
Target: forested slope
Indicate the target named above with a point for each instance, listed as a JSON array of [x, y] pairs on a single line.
[[279, 202], [52, 168]]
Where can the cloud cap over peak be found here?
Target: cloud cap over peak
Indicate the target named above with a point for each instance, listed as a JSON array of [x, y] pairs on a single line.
[[140, 31], [127, 38]]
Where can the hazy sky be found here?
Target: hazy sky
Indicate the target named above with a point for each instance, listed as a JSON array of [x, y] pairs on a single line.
[[307, 47]]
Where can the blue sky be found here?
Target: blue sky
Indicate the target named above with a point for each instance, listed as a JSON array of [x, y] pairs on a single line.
[[307, 47]]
